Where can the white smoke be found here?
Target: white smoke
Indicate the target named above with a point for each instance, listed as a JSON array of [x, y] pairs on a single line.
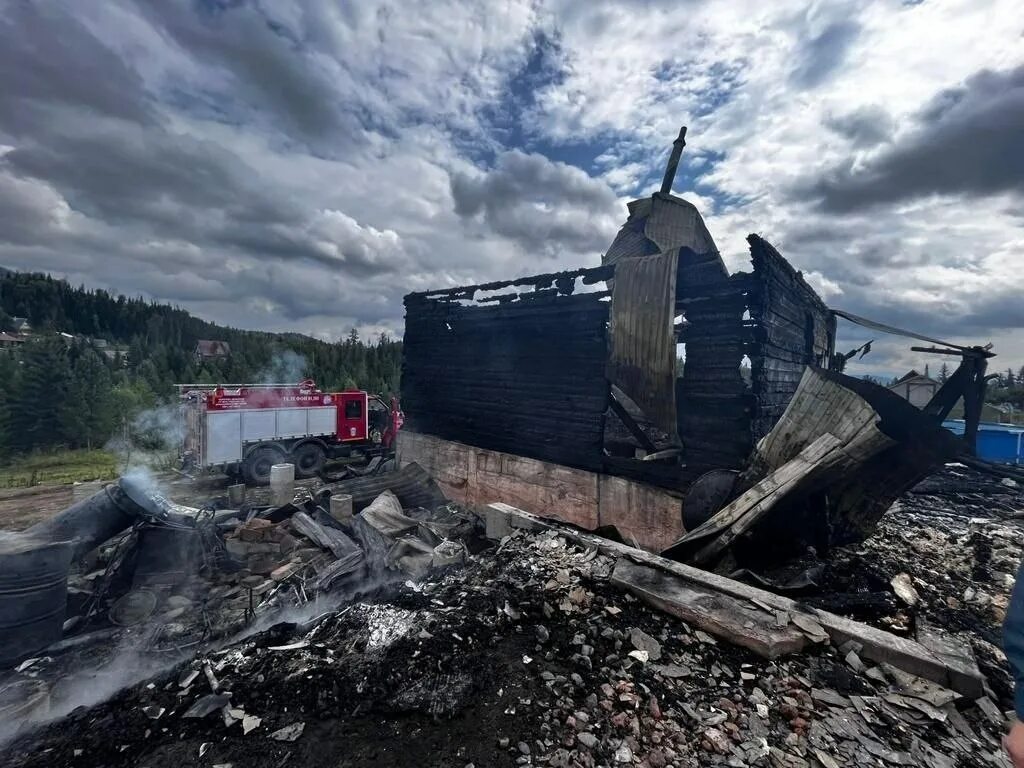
[[130, 663], [160, 426], [152, 440], [286, 367], [127, 665]]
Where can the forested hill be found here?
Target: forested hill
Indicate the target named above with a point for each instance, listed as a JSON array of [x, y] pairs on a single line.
[[127, 353]]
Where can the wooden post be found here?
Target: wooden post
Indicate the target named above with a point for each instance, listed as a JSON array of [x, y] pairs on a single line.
[[953, 388], [974, 399], [630, 423]]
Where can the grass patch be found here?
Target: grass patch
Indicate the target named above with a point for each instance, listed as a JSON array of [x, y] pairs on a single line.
[[58, 467]]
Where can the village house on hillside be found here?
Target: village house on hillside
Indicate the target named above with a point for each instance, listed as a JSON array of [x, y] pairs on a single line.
[[916, 388], [21, 325], [7, 341], [207, 349]]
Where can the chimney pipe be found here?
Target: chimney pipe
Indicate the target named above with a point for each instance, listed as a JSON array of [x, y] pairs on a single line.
[[673, 162]]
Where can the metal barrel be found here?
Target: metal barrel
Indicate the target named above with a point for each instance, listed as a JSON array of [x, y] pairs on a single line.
[[33, 594]]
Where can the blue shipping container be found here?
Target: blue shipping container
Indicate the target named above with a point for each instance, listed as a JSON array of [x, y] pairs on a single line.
[[1003, 443]]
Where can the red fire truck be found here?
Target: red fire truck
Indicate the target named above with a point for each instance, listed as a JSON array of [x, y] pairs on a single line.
[[244, 429]]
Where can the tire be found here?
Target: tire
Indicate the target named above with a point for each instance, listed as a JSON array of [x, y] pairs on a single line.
[[256, 469], [309, 460]]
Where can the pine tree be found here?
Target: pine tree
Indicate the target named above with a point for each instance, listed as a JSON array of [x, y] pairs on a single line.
[[8, 384], [1009, 380], [50, 397], [5, 444], [40, 395], [87, 417], [944, 373]]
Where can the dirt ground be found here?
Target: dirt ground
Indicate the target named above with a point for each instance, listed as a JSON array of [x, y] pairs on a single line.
[[21, 508]]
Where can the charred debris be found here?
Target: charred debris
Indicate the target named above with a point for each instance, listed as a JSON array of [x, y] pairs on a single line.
[[763, 442], [587, 556], [515, 641]]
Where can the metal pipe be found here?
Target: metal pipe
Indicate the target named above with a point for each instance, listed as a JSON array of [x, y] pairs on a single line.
[[673, 162], [91, 521]]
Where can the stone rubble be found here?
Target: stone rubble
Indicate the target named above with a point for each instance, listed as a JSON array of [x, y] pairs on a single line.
[[528, 656], [522, 652]]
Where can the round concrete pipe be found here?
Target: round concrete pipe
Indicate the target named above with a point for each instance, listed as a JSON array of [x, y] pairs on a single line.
[[341, 507], [91, 521], [282, 483]]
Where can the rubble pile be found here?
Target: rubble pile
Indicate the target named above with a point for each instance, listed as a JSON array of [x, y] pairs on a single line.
[[256, 563], [956, 540], [525, 655], [180, 581]]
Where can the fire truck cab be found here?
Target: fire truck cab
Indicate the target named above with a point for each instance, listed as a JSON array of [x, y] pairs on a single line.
[[244, 429]]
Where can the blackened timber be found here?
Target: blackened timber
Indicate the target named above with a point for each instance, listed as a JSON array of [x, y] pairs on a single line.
[[524, 376], [670, 476], [588, 275], [630, 424], [795, 329]]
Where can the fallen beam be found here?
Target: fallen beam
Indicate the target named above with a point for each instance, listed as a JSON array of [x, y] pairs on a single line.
[[707, 542], [955, 672], [736, 621]]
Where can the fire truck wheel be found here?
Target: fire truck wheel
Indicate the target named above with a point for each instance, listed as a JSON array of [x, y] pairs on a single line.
[[309, 459], [256, 468]]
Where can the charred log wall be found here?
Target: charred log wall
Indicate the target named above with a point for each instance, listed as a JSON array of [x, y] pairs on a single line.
[[525, 375], [714, 400], [794, 328]]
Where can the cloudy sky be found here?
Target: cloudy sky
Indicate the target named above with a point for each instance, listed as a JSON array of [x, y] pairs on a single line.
[[297, 165]]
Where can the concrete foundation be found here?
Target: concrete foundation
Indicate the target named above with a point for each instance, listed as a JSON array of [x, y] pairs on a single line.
[[648, 517]]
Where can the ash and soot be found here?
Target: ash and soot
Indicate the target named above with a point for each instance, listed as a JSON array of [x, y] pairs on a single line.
[[145, 582], [526, 649]]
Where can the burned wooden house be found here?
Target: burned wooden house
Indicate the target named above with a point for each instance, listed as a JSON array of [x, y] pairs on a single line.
[[601, 395]]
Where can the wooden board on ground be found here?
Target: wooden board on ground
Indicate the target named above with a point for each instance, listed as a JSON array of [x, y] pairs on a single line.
[[722, 615], [877, 645]]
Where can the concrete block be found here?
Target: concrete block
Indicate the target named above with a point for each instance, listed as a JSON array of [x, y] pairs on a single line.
[[497, 522], [240, 548], [285, 571]]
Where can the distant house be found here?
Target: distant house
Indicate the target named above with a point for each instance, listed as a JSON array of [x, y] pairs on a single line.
[[207, 349], [117, 354], [916, 388], [7, 341], [991, 414], [21, 325]]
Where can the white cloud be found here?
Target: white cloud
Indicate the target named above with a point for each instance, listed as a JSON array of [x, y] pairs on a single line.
[[292, 164]]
